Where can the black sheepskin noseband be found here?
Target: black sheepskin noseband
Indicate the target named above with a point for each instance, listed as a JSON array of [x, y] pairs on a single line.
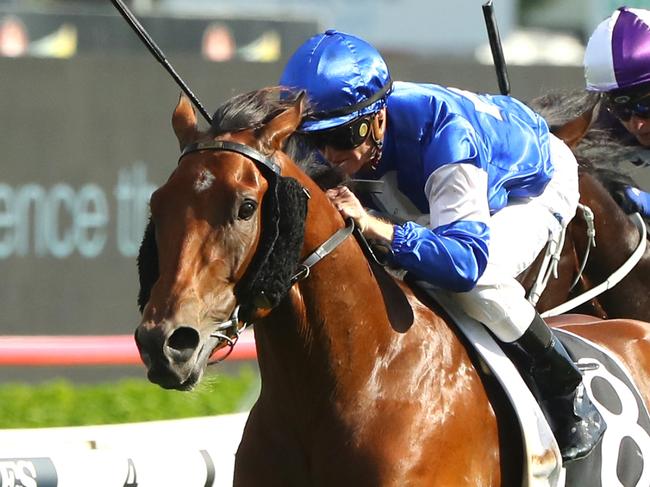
[[147, 265], [268, 277]]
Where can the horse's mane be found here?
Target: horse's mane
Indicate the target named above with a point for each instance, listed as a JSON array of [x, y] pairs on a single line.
[[559, 107], [254, 109], [604, 148]]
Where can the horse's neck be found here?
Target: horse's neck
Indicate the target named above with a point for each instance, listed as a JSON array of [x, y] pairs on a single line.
[[616, 235], [329, 322], [336, 375], [616, 239], [330, 342]]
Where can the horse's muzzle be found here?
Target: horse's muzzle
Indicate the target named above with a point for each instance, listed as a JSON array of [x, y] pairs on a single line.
[[170, 355]]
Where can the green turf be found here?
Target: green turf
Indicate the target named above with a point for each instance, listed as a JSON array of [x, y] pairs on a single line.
[[61, 403]]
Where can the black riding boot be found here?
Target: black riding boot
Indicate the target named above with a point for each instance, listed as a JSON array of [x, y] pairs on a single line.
[[557, 386]]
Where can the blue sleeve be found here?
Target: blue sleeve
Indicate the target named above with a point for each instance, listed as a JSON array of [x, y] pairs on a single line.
[[452, 256], [637, 201]]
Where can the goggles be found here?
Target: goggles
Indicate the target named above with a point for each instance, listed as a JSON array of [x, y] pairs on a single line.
[[624, 107], [344, 137]]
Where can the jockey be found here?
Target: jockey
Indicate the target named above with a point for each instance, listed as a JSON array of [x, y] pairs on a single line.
[[493, 180], [617, 64]]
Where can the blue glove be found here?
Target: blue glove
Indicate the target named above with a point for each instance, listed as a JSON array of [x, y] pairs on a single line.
[[636, 201]]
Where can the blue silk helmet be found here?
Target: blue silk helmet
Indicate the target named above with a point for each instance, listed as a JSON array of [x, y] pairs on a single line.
[[345, 78]]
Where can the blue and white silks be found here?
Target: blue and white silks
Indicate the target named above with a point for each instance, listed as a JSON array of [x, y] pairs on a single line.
[[460, 157]]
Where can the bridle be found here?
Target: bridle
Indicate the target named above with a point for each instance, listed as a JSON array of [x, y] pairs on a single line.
[[227, 333]]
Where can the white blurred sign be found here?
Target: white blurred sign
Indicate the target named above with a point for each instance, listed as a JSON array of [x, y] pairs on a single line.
[[421, 26]]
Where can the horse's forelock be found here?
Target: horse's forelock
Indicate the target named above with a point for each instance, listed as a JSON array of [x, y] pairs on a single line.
[[252, 110]]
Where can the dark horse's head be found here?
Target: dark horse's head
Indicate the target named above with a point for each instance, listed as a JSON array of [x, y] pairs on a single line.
[[219, 235], [599, 141], [605, 158]]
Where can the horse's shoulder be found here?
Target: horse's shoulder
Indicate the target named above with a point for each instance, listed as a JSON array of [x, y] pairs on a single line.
[[567, 320]]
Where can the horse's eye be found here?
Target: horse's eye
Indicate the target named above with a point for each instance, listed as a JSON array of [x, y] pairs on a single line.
[[247, 209]]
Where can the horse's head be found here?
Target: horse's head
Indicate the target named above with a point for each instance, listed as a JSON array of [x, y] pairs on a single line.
[[212, 249]]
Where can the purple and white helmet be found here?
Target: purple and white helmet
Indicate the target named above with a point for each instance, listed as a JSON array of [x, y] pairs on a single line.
[[618, 53]]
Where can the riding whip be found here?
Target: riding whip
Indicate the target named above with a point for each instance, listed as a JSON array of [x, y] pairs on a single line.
[[158, 54], [496, 48]]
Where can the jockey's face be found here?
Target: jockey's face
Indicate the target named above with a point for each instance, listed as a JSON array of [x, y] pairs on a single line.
[[351, 160], [640, 128], [633, 111]]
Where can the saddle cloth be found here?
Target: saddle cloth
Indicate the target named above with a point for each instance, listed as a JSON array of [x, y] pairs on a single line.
[[620, 460]]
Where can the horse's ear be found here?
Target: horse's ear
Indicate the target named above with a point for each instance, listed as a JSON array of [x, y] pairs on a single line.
[[275, 133], [184, 121], [572, 132]]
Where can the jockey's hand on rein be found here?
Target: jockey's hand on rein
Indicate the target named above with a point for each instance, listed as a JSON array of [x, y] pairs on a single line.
[[349, 206], [633, 200]]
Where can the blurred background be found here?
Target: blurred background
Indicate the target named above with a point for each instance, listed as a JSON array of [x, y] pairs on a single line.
[[86, 136]]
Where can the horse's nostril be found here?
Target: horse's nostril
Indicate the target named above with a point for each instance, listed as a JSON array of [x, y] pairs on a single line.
[[182, 343]]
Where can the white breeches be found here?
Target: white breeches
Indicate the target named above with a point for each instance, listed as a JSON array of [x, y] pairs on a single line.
[[518, 233]]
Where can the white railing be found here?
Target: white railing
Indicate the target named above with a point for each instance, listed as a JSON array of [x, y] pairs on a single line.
[[187, 452]]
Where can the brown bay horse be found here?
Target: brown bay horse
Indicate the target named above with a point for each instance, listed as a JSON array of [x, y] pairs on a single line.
[[346, 398]]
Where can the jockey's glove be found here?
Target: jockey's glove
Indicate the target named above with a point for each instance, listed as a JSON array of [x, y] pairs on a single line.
[[633, 200]]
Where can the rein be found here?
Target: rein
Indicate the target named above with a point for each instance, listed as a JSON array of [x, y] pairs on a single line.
[[323, 251], [588, 216], [553, 253], [549, 266], [613, 279], [227, 332]]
